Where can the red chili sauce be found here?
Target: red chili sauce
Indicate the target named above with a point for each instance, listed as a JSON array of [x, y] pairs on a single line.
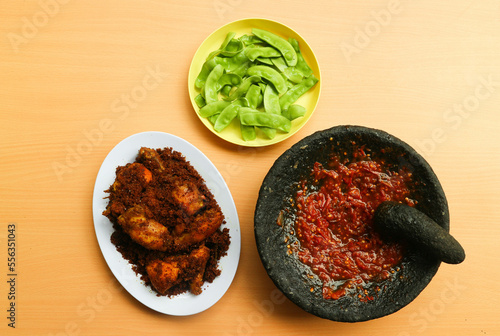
[[334, 229]]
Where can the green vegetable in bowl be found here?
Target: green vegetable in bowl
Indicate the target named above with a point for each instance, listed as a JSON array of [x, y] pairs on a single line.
[[254, 80]]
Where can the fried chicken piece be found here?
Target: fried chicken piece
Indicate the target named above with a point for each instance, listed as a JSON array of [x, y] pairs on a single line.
[[201, 255], [189, 198], [143, 230], [164, 274], [203, 225], [115, 208], [133, 175], [137, 223], [148, 154], [132, 171]]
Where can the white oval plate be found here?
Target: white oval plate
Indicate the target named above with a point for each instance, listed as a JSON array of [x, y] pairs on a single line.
[[183, 304]]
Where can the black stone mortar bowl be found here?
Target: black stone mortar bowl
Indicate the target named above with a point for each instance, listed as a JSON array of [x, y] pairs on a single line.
[[280, 185]]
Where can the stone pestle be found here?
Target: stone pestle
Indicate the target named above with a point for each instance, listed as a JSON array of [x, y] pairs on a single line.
[[399, 221]]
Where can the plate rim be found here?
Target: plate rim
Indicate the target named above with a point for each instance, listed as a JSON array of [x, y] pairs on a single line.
[[122, 269]]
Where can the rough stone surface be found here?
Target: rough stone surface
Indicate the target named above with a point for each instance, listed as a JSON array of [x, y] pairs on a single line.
[[276, 189]]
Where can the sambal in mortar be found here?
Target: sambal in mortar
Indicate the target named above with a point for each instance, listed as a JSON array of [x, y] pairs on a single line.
[[314, 226], [333, 233]]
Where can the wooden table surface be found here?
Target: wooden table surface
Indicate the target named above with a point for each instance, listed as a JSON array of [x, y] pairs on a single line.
[[425, 71]]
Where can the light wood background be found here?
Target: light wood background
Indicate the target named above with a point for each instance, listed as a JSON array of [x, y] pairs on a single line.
[[426, 71]]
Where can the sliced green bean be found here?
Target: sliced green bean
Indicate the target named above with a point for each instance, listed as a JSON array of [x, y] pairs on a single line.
[[233, 48], [284, 47], [224, 44], [279, 62], [294, 111], [296, 91], [271, 100], [269, 132], [226, 90], [236, 61], [271, 105], [254, 96], [241, 69], [252, 117], [229, 37], [213, 118], [205, 71], [229, 79], [264, 60], [227, 115], [243, 87], [247, 132], [301, 65], [250, 39], [213, 108], [293, 75], [212, 87], [262, 86], [200, 101], [254, 52], [269, 74], [289, 84]]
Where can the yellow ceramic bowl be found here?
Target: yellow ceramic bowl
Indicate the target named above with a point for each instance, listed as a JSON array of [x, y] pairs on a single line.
[[309, 100]]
